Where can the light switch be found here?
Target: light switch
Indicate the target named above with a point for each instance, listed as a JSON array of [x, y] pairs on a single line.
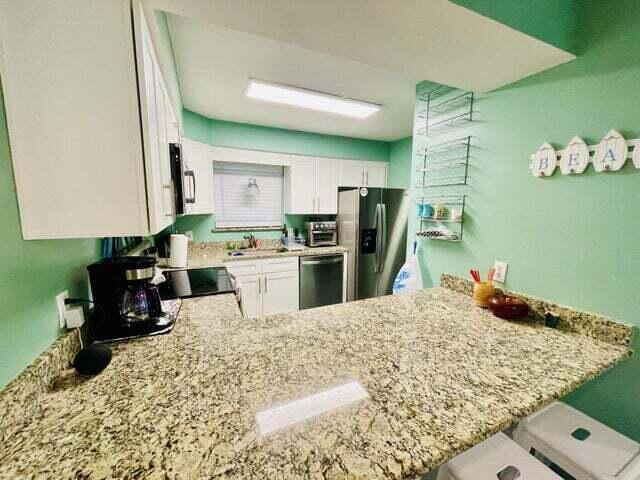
[[500, 273]]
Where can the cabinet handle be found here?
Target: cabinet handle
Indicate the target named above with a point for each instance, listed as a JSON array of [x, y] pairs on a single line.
[[362, 180], [367, 178], [259, 284], [314, 205], [318, 205], [266, 285]]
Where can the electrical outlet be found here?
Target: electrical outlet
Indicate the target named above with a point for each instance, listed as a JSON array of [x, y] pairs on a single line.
[[500, 273], [60, 298]]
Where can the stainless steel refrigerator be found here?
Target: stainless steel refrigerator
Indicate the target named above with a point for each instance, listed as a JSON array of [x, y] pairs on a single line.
[[372, 224]]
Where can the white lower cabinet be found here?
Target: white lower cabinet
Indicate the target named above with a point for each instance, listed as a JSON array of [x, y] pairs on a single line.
[[280, 293], [251, 295], [269, 286]]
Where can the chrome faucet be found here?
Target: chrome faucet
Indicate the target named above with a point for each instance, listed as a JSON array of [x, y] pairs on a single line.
[[251, 239]]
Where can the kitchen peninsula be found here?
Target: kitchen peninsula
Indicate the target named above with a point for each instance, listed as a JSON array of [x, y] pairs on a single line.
[[441, 375]]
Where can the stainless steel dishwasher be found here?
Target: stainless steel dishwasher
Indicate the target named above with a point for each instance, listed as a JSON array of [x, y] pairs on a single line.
[[321, 280]]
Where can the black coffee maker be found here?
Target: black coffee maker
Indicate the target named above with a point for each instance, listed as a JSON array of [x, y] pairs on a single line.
[[127, 303]]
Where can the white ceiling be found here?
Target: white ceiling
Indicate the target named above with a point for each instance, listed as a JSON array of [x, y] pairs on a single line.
[[372, 50], [215, 63]]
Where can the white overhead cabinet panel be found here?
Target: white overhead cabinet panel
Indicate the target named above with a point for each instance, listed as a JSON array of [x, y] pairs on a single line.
[[311, 186], [198, 182], [83, 166], [359, 173]]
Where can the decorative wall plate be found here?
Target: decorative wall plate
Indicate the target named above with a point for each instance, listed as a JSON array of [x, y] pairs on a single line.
[[611, 153], [636, 156], [544, 161], [575, 157]]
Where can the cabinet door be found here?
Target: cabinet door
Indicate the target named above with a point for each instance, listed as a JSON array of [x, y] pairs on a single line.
[[327, 186], [376, 174], [163, 147], [251, 295], [301, 186], [71, 97], [351, 173], [157, 201], [200, 180], [280, 293]]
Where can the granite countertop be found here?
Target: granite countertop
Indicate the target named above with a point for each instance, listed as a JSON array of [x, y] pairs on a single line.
[[441, 375], [213, 254]]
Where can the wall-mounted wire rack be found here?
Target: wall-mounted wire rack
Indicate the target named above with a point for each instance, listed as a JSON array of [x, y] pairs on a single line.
[[444, 110], [444, 164], [441, 217]]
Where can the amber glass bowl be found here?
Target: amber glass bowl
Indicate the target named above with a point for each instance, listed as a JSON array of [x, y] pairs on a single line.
[[508, 307]]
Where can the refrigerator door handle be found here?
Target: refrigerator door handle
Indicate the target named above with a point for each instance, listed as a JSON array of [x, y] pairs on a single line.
[[378, 226], [383, 235]]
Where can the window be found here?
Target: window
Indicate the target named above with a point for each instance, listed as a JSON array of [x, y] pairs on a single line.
[[247, 195]]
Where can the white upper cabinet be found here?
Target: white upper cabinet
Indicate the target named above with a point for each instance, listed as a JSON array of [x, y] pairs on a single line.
[[300, 186], [359, 173], [326, 186], [198, 182], [158, 130], [83, 167], [375, 174], [311, 186]]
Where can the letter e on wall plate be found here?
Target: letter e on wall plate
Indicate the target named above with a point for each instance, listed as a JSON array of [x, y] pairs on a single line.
[[575, 157], [611, 153], [544, 161]]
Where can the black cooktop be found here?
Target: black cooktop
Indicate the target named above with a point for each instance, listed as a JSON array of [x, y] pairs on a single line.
[[195, 282]]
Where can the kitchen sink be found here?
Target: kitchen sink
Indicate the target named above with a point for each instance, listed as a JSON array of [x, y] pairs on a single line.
[[249, 252]]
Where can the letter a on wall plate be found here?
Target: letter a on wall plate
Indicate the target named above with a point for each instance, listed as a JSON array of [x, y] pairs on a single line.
[[575, 157], [611, 153], [544, 161]]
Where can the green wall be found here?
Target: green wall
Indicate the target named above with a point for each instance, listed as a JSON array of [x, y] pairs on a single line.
[[572, 240], [241, 135], [33, 273], [400, 156], [552, 21]]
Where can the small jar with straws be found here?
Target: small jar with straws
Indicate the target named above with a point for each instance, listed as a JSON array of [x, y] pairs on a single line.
[[482, 290]]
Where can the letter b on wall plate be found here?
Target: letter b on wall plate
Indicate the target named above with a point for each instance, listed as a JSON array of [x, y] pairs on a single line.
[[544, 161]]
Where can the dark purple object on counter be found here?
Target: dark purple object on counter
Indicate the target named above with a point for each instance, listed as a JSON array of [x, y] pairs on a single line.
[[508, 307]]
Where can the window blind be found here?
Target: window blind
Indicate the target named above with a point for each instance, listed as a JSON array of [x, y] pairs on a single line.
[[237, 204]]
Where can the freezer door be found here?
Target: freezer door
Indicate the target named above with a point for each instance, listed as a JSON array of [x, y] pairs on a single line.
[[369, 257]]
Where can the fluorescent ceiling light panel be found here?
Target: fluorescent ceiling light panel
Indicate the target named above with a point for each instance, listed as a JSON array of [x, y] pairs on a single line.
[[277, 418], [300, 97]]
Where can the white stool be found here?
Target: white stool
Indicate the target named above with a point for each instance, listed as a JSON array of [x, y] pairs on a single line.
[[583, 447], [497, 458]]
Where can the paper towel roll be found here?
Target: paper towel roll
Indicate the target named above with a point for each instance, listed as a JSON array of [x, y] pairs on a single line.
[[178, 251]]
